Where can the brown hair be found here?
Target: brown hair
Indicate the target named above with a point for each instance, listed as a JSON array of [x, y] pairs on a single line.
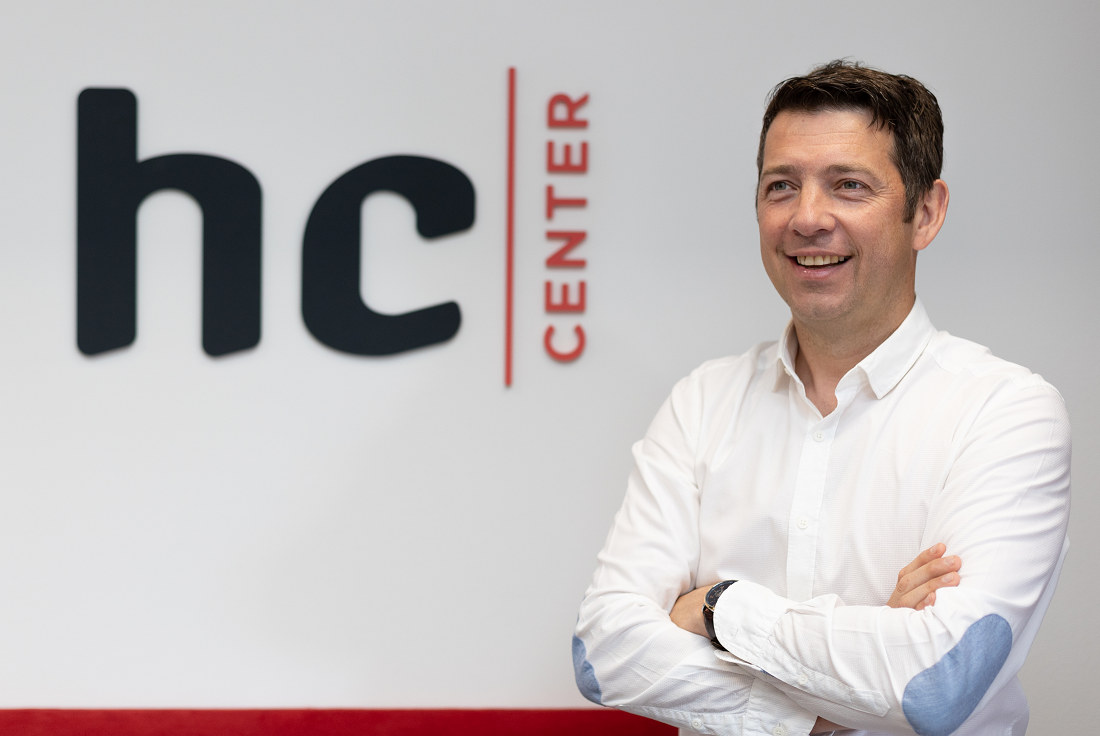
[[897, 103]]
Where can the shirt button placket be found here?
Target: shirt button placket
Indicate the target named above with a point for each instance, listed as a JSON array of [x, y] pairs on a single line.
[[806, 506]]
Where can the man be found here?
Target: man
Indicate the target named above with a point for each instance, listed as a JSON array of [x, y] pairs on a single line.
[[811, 470]]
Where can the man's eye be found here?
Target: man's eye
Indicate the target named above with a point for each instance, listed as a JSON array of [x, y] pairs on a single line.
[[780, 186], [851, 185]]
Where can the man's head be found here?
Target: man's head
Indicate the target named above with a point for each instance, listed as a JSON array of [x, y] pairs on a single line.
[[847, 195], [898, 104]]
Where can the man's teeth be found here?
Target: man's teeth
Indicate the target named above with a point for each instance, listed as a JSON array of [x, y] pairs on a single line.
[[820, 260]]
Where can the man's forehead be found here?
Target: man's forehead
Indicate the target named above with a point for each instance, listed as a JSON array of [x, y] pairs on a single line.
[[797, 137]]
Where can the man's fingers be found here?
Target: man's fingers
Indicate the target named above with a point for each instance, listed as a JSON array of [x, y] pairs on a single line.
[[919, 580], [932, 553], [930, 571], [918, 598], [914, 586]]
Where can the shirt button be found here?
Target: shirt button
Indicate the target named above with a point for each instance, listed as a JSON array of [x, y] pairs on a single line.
[[803, 522], [818, 436], [779, 730], [802, 679], [696, 723]]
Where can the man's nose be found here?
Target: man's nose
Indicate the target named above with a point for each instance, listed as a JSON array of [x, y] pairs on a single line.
[[813, 212]]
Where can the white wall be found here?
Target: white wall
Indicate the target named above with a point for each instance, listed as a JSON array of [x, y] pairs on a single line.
[[293, 526]]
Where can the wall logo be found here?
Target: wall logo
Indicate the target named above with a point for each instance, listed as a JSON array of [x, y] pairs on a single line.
[[112, 183]]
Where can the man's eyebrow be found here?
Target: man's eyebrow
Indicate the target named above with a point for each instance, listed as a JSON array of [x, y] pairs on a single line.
[[849, 169], [833, 170], [780, 170]]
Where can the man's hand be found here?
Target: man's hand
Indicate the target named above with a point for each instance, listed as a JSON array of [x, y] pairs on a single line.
[[920, 579]]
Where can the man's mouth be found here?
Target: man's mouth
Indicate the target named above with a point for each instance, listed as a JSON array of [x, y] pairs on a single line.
[[812, 261]]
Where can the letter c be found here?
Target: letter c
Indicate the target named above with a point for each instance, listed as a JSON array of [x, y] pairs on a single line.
[[332, 307], [547, 341]]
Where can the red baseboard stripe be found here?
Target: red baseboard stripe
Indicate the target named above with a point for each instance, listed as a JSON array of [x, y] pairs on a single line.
[[592, 722]]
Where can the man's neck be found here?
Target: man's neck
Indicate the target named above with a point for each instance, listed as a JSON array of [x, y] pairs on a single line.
[[826, 352]]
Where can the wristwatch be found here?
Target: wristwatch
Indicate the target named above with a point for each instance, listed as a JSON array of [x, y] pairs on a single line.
[[708, 611]]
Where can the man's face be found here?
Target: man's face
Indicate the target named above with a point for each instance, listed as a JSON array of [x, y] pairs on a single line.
[[830, 207]]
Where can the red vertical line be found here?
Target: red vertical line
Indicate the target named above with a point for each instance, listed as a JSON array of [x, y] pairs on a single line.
[[509, 267]]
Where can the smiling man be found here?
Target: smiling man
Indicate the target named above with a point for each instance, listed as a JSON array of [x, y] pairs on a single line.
[[750, 583]]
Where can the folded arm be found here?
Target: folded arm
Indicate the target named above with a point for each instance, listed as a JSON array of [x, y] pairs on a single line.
[[893, 670], [900, 670], [917, 585]]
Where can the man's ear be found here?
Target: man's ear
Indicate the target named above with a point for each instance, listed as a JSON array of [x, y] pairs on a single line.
[[930, 214]]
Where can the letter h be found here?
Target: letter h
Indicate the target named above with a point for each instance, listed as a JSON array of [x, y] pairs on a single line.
[[111, 185]]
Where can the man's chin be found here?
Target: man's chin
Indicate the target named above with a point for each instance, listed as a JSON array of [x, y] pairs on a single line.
[[820, 312]]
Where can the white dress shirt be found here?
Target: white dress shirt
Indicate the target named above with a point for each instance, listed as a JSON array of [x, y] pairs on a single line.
[[740, 477]]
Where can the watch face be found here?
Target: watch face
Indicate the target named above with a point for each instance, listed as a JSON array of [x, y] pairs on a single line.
[[712, 594]]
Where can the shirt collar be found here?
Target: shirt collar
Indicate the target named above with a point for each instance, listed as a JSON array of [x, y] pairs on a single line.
[[785, 356], [885, 366]]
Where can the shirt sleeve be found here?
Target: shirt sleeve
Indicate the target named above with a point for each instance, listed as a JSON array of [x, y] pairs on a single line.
[[627, 653], [1003, 509]]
